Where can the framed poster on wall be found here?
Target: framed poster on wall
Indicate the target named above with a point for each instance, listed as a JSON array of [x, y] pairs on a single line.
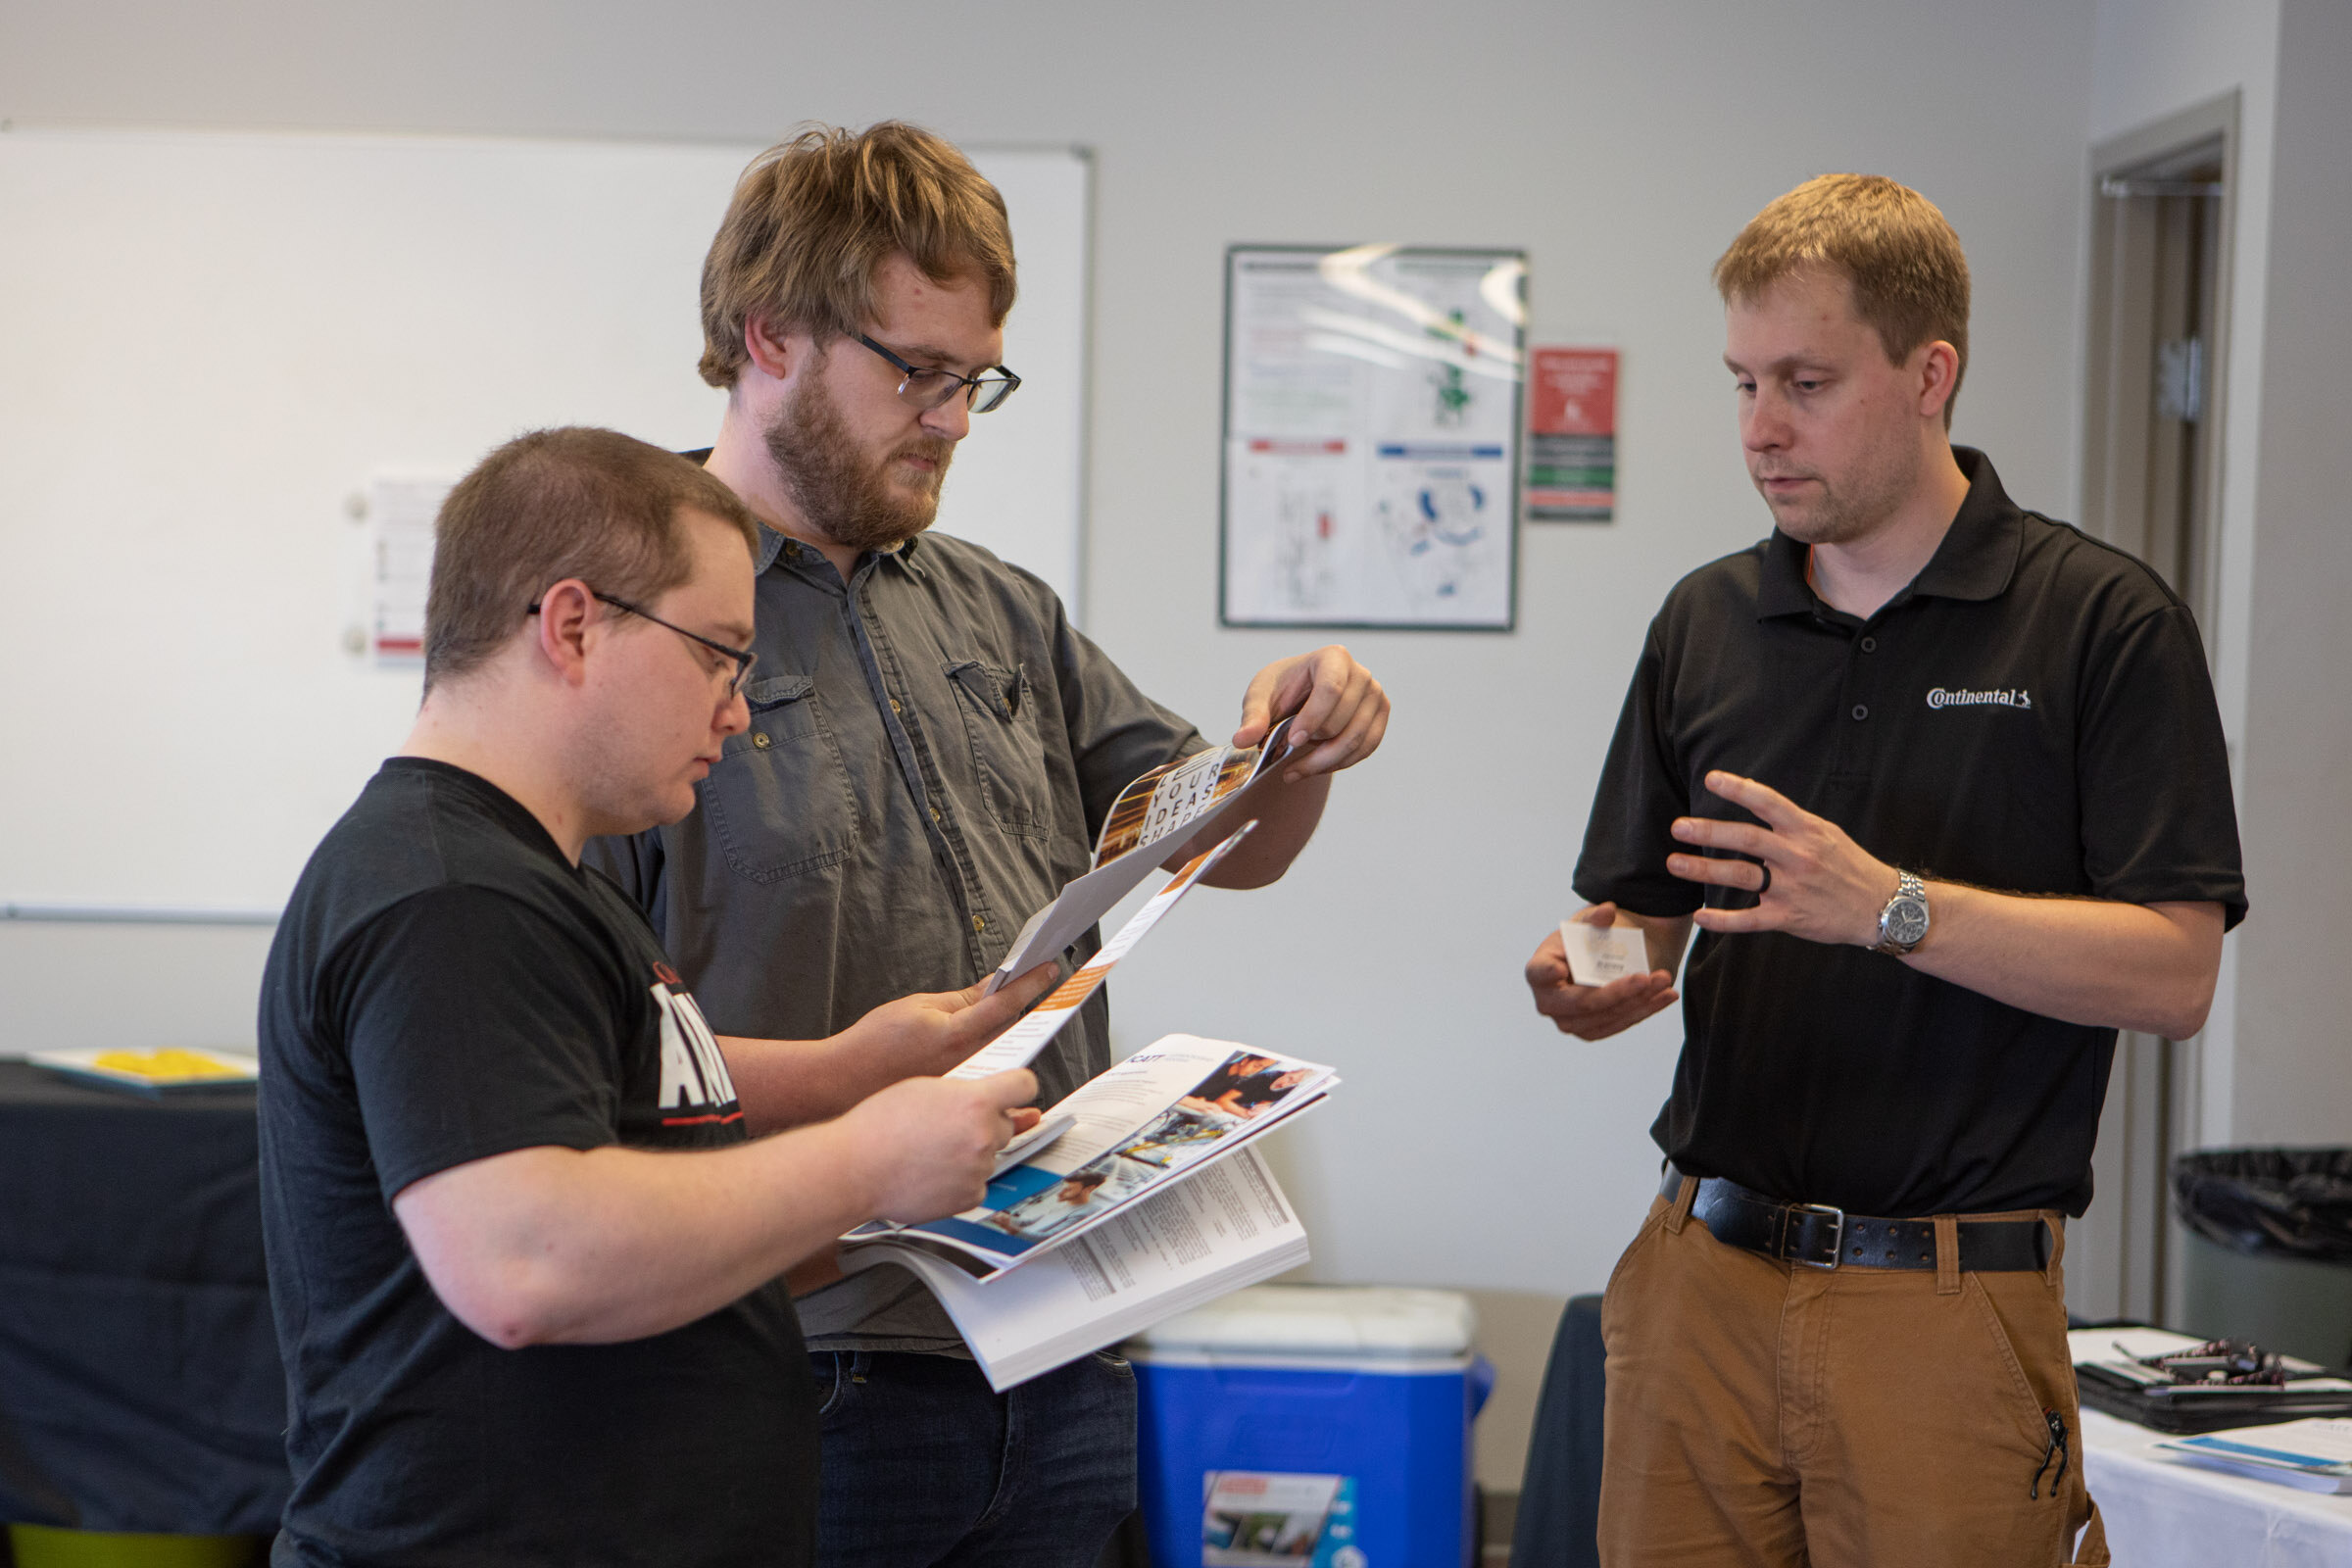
[[1371, 441]]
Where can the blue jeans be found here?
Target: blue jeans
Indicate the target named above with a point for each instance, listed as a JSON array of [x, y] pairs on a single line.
[[925, 1465]]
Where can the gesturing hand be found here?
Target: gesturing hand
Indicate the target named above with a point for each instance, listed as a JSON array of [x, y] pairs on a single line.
[[1339, 711], [1816, 882], [1593, 1012]]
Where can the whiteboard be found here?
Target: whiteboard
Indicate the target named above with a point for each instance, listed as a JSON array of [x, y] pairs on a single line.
[[210, 343]]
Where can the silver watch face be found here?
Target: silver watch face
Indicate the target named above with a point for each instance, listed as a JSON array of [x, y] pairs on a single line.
[[1906, 921]]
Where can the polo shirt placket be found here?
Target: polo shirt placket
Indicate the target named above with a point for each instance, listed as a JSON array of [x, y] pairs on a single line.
[[2002, 721]]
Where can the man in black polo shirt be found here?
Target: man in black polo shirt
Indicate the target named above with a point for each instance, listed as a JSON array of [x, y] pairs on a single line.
[[1943, 786]]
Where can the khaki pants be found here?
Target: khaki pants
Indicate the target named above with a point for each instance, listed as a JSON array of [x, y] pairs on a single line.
[[1769, 1415]]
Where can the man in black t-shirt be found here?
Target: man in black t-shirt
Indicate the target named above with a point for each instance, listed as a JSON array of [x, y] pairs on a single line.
[[523, 1248], [1943, 786]]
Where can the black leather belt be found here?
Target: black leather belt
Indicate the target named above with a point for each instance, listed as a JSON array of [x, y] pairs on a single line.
[[1819, 1236]]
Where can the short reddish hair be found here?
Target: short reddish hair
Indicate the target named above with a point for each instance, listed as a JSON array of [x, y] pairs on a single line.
[[814, 216], [1904, 262]]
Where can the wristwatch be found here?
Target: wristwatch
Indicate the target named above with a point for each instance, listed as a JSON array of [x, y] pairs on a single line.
[[1903, 923]]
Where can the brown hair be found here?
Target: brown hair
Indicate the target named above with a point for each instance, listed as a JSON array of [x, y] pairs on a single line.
[[1909, 277], [574, 501], [811, 218]]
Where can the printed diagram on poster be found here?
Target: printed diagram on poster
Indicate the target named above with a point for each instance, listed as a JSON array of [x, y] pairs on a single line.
[[1372, 419], [1571, 435]]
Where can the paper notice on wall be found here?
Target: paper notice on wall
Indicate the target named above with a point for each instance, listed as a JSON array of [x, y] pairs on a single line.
[[400, 563], [1571, 435]]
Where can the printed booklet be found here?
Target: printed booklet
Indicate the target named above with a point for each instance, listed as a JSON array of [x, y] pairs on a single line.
[[1180, 1103], [1226, 1226], [1125, 1216]]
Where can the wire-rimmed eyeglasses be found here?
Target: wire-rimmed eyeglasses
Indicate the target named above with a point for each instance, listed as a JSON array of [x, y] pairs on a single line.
[[926, 388], [744, 658]]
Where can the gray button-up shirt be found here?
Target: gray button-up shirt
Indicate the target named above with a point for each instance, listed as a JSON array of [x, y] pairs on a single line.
[[931, 754]]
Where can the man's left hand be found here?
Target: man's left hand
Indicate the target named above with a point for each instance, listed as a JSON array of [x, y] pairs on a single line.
[[932, 1031], [1338, 711], [1816, 882]]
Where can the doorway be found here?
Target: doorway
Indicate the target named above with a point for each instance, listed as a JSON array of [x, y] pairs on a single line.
[[2157, 332]]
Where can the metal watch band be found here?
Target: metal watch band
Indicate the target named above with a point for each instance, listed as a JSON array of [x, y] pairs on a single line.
[[1907, 887]]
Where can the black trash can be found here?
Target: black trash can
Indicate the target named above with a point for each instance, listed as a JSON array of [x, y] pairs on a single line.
[[2268, 1254]]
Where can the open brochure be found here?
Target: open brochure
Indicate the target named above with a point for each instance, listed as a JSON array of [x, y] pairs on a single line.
[[1199, 792], [1177, 1104], [1229, 1225], [1019, 1044]]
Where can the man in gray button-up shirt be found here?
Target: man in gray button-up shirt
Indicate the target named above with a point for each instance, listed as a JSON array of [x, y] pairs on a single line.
[[932, 750]]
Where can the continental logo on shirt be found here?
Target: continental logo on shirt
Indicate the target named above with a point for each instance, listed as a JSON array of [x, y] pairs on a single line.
[[695, 1086], [1942, 697]]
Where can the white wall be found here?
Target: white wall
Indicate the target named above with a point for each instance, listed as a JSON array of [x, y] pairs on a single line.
[[1623, 145]]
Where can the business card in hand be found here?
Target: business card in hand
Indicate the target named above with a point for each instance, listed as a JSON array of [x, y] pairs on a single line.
[[1600, 954]]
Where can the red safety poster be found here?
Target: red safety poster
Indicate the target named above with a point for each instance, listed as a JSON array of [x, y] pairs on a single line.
[[1572, 435]]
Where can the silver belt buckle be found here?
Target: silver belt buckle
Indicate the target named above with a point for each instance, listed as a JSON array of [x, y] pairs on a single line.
[[1837, 1246]]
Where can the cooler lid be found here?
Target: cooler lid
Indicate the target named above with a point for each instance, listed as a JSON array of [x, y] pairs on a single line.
[[1322, 1321]]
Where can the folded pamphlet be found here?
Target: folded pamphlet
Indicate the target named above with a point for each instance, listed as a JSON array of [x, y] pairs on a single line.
[[1019, 1044], [1197, 794]]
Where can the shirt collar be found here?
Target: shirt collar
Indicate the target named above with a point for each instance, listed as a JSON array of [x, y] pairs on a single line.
[[773, 544], [1976, 560]]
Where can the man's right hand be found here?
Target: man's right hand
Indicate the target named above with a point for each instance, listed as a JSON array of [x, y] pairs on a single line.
[[1593, 1012], [932, 1141]]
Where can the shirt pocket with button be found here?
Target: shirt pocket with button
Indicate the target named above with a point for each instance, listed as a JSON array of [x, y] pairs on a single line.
[[778, 799], [1008, 752]]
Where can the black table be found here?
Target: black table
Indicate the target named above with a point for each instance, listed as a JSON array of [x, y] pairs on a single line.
[[140, 1388]]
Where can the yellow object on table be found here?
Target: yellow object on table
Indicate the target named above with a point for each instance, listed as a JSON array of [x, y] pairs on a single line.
[[169, 1063], [42, 1546]]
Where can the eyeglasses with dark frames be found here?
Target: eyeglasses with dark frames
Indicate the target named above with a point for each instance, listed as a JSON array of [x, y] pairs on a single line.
[[744, 658], [928, 388]]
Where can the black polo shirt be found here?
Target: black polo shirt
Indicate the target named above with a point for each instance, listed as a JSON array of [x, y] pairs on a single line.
[[2031, 714]]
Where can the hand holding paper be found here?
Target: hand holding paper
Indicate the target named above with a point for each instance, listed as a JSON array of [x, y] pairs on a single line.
[[1600, 954], [1596, 1009]]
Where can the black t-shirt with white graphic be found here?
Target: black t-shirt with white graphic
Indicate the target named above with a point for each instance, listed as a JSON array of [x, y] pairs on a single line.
[[445, 987], [2030, 714]]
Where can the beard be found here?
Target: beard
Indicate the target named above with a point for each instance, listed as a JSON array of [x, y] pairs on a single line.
[[851, 500], [1853, 503]]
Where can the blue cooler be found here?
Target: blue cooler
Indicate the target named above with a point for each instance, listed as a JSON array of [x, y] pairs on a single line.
[[1292, 1425]]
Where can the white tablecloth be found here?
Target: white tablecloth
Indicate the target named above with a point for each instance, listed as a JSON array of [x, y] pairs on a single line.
[[2163, 1512]]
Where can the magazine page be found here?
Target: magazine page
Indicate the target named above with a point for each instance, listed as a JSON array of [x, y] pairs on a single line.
[[1227, 1227], [1177, 1104], [1199, 793]]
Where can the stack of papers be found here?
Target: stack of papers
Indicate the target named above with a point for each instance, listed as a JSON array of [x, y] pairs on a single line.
[[2315, 1455]]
